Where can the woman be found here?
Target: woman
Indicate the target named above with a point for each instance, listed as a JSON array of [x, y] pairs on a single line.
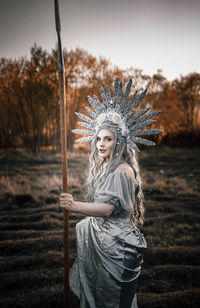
[[110, 247]]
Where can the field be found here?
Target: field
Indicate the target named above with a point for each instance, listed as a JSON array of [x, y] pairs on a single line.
[[31, 228]]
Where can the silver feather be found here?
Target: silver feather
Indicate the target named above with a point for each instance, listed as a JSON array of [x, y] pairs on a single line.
[[141, 125], [84, 139], [136, 116], [91, 113], [108, 94], [132, 144], [143, 141], [115, 92], [149, 116], [128, 105], [128, 88], [86, 125], [103, 94], [83, 132], [119, 94], [84, 117], [100, 106], [144, 132], [136, 104], [93, 103]]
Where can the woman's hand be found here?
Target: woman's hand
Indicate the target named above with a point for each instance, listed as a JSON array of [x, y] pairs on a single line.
[[67, 202]]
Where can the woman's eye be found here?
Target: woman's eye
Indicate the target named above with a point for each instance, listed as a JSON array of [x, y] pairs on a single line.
[[109, 139]]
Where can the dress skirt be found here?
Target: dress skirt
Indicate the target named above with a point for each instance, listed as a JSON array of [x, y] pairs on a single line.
[[108, 263]]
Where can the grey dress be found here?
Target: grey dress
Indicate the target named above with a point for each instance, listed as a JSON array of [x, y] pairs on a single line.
[[109, 250]]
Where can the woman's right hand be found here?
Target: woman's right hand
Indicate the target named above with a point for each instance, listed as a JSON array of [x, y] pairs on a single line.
[[67, 202]]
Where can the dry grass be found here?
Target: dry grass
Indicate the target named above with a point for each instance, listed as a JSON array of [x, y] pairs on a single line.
[[20, 184], [31, 229], [181, 185], [156, 183]]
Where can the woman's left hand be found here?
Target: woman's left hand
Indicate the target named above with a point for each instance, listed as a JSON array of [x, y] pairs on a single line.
[[67, 201]]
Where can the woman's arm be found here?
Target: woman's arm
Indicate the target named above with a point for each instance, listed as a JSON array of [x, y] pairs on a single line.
[[89, 209]]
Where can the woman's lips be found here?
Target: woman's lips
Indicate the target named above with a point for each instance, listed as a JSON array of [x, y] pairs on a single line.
[[102, 151]]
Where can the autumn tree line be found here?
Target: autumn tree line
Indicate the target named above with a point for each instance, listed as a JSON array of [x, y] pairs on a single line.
[[29, 98]]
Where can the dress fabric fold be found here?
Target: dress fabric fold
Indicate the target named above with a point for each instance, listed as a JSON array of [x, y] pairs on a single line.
[[109, 250]]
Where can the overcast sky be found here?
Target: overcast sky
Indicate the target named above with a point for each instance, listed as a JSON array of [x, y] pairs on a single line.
[[144, 34]]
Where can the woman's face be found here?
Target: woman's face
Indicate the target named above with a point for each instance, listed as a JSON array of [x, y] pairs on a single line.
[[105, 142]]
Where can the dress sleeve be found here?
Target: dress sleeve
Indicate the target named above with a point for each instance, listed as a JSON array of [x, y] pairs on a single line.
[[118, 189]]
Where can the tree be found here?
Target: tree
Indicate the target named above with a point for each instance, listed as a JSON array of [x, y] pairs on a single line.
[[188, 91]]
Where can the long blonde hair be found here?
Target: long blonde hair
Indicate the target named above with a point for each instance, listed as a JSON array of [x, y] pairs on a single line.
[[99, 169]]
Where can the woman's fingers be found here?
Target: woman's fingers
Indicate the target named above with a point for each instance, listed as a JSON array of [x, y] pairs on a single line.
[[65, 195], [66, 201]]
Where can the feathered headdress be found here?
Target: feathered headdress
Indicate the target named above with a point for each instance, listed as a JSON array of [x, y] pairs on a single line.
[[120, 112]]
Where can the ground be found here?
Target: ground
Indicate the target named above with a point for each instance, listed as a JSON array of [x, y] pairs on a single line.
[[31, 227]]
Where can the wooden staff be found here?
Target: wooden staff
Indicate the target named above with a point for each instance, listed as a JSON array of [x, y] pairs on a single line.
[[64, 150]]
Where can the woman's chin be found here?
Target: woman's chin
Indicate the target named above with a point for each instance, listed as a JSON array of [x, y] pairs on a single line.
[[103, 156]]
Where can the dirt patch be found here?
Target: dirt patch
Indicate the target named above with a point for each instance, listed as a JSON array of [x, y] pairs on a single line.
[[31, 228]]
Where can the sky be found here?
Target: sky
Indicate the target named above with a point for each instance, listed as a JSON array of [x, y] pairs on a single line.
[[143, 34]]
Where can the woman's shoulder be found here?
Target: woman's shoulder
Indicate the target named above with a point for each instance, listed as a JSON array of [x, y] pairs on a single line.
[[126, 168]]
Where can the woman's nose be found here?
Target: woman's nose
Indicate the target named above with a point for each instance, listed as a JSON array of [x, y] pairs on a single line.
[[101, 143]]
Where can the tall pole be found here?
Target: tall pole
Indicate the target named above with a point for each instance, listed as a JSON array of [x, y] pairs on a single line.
[[64, 150]]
